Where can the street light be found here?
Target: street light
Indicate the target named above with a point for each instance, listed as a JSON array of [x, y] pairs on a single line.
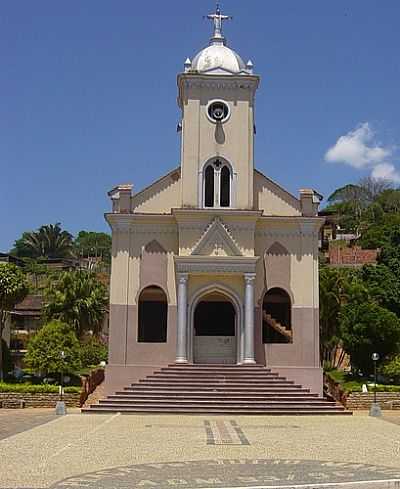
[[375, 409], [60, 406]]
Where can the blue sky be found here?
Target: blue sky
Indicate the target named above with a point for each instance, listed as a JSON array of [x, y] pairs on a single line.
[[88, 97]]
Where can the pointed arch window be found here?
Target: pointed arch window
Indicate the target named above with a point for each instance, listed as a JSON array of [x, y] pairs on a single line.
[[217, 184]]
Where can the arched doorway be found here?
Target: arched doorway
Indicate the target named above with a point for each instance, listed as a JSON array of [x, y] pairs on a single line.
[[152, 315], [214, 330]]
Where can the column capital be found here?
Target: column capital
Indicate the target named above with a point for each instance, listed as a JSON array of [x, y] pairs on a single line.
[[183, 278], [249, 278]]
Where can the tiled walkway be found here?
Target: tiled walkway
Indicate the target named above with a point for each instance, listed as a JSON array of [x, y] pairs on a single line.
[[13, 421], [197, 452]]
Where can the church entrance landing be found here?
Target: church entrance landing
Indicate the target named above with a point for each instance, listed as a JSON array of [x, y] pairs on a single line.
[[214, 330]]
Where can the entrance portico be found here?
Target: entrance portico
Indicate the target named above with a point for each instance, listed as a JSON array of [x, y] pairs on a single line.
[[241, 347]]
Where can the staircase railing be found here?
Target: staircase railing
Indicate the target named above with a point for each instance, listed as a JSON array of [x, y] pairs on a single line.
[[278, 327]]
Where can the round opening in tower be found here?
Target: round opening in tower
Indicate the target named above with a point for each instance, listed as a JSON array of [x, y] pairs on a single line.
[[218, 111]]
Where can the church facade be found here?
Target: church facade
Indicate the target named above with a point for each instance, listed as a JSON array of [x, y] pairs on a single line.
[[214, 263]]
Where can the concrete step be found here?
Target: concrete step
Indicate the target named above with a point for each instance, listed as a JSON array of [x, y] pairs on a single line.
[[192, 383], [213, 396], [218, 388], [215, 410], [217, 402]]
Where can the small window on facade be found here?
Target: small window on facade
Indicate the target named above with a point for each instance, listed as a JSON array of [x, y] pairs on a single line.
[[276, 317], [225, 187], [209, 187], [152, 316]]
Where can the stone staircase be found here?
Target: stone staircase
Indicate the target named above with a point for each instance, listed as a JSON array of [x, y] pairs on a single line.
[[287, 333], [216, 389]]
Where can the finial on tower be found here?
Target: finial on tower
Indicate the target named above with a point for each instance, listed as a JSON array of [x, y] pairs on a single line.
[[217, 19]]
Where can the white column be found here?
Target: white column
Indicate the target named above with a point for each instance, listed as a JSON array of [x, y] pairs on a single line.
[[249, 356], [181, 330]]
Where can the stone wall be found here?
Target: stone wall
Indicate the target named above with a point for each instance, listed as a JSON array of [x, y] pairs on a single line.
[[386, 400], [21, 399]]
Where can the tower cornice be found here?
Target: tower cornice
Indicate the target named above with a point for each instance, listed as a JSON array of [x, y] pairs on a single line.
[[226, 82]]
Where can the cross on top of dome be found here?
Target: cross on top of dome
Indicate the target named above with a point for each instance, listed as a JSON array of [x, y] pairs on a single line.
[[217, 19]]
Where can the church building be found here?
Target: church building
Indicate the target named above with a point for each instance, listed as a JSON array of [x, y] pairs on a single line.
[[214, 263]]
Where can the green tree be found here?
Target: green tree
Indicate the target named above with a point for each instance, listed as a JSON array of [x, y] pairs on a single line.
[[337, 287], [48, 241], [332, 284], [13, 288], [92, 244], [383, 285], [77, 298], [6, 355], [45, 347], [22, 249], [367, 328], [93, 351]]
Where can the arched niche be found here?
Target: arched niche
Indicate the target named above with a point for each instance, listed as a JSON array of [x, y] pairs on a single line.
[[277, 266], [277, 316], [153, 265]]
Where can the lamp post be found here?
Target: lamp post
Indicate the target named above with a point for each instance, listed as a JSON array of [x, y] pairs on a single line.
[[60, 406], [375, 409]]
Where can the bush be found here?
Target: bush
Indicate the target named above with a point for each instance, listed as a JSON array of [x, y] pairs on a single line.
[[392, 368], [35, 389], [44, 350], [93, 351], [367, 328]]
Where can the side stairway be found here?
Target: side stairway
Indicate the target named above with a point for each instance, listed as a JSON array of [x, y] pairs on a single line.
[[216, 389]]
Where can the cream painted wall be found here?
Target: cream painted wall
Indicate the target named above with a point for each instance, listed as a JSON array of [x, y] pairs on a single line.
[[302, 279], [203, 140], [198, 282], [160, 197], [125, 274], [272, 199]]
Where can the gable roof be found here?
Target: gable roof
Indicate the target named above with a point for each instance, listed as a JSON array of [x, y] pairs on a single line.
[[217, 236]]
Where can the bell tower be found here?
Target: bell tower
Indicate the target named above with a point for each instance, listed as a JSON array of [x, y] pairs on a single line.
[[216, 93]]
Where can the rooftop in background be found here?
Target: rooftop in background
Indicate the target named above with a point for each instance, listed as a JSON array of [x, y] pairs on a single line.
[[30, 306], [7, 258]]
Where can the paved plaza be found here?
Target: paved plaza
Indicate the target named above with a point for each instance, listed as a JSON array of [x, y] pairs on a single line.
[[193, 452]]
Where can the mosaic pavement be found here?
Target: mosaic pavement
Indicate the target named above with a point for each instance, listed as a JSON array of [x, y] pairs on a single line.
[[200, 452]]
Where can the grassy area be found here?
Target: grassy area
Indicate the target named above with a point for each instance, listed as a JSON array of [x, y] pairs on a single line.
[[352, 384], [36, 388]]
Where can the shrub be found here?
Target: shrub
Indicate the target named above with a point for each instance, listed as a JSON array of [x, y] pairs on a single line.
[[35, 389], [93, 351], [392, 368], [44, 349]]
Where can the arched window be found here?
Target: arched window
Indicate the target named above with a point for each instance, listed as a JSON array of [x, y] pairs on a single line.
[[209, 187], [217, 184], [152, 316], [225, 193], [276, 317]]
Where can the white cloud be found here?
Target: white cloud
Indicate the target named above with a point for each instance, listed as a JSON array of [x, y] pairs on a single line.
[[386, 171], [359, 149]]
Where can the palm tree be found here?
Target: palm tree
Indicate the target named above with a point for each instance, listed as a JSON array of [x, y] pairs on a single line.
[[79, 299], [49, 241]]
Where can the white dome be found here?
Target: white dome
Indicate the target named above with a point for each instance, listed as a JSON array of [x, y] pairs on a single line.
[[217, 59]]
